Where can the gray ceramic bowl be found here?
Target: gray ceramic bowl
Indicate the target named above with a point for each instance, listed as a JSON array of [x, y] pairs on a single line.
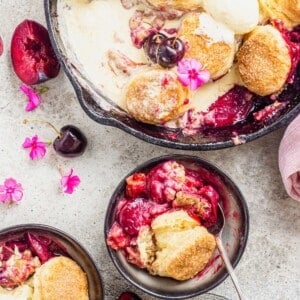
[[234, 236], [72, 247]]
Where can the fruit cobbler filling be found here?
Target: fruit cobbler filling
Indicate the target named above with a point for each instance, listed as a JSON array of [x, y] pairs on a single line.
[[239, 106], [21, 256], [239, 110], [167, 187]]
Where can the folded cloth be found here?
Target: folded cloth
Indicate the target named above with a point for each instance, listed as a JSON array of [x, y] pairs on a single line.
[[289, 159]]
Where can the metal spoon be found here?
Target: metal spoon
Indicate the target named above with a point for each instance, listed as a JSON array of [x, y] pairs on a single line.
[[216, 230]]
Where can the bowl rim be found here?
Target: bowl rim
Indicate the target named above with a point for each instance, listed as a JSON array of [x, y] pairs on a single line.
[[60, 233], [205, 163], [111, 121]]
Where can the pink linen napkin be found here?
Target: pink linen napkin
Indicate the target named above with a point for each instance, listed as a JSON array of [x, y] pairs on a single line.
[[289, 159]]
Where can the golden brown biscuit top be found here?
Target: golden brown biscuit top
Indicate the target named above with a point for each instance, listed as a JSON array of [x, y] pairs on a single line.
[[175, 245], [60, 278], [155, 96], [208, 41], [287, 11], [264, 61]]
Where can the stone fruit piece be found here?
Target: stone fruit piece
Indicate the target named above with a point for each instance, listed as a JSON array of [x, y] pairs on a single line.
[[33, 57]]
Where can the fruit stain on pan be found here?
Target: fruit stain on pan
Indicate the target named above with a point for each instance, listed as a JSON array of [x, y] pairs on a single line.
[[213, 266]]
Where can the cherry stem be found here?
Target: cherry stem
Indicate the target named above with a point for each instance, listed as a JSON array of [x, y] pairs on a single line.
[[25, 121], [176, 38]]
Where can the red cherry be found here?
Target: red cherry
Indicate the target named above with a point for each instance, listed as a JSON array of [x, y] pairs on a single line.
[[71, 142], [33, 57]]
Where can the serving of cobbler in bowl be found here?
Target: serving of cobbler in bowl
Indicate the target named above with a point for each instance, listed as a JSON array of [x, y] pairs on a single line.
[[158, 225], [201, 74], [40, 262]]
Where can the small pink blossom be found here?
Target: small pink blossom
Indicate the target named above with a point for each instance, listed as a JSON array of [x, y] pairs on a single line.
[[34, 98], [11, 191], [191, 73], [1, 46], [37, 148], [70, 182]]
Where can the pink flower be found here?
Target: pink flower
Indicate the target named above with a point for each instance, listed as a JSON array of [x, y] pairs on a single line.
[[34, 98], [1, 46], [190, 73], [37, 148], [11, 190], [70, 182]]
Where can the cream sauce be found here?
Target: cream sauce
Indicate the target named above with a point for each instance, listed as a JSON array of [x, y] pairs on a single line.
[[91, 29], [23, 292]]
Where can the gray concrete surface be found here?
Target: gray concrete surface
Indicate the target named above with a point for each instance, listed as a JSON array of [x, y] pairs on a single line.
[[270, 267]]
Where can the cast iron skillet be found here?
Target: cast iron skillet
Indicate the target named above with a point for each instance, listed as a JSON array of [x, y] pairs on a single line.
[[104, 111]]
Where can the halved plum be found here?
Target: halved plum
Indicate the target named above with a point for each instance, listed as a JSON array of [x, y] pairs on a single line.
[[33, 57]]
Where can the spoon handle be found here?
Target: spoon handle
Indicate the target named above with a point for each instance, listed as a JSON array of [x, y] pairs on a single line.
[[229, 268]]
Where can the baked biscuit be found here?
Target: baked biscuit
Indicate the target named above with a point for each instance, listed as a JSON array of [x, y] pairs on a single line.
[[60, 278], [155, 96], [146, 246], [208, 41], [186, 5], [183, 247], [286, 10], [264, 61]]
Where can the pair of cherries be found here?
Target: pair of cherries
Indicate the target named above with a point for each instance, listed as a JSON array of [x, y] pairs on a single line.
[[167, 52]]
